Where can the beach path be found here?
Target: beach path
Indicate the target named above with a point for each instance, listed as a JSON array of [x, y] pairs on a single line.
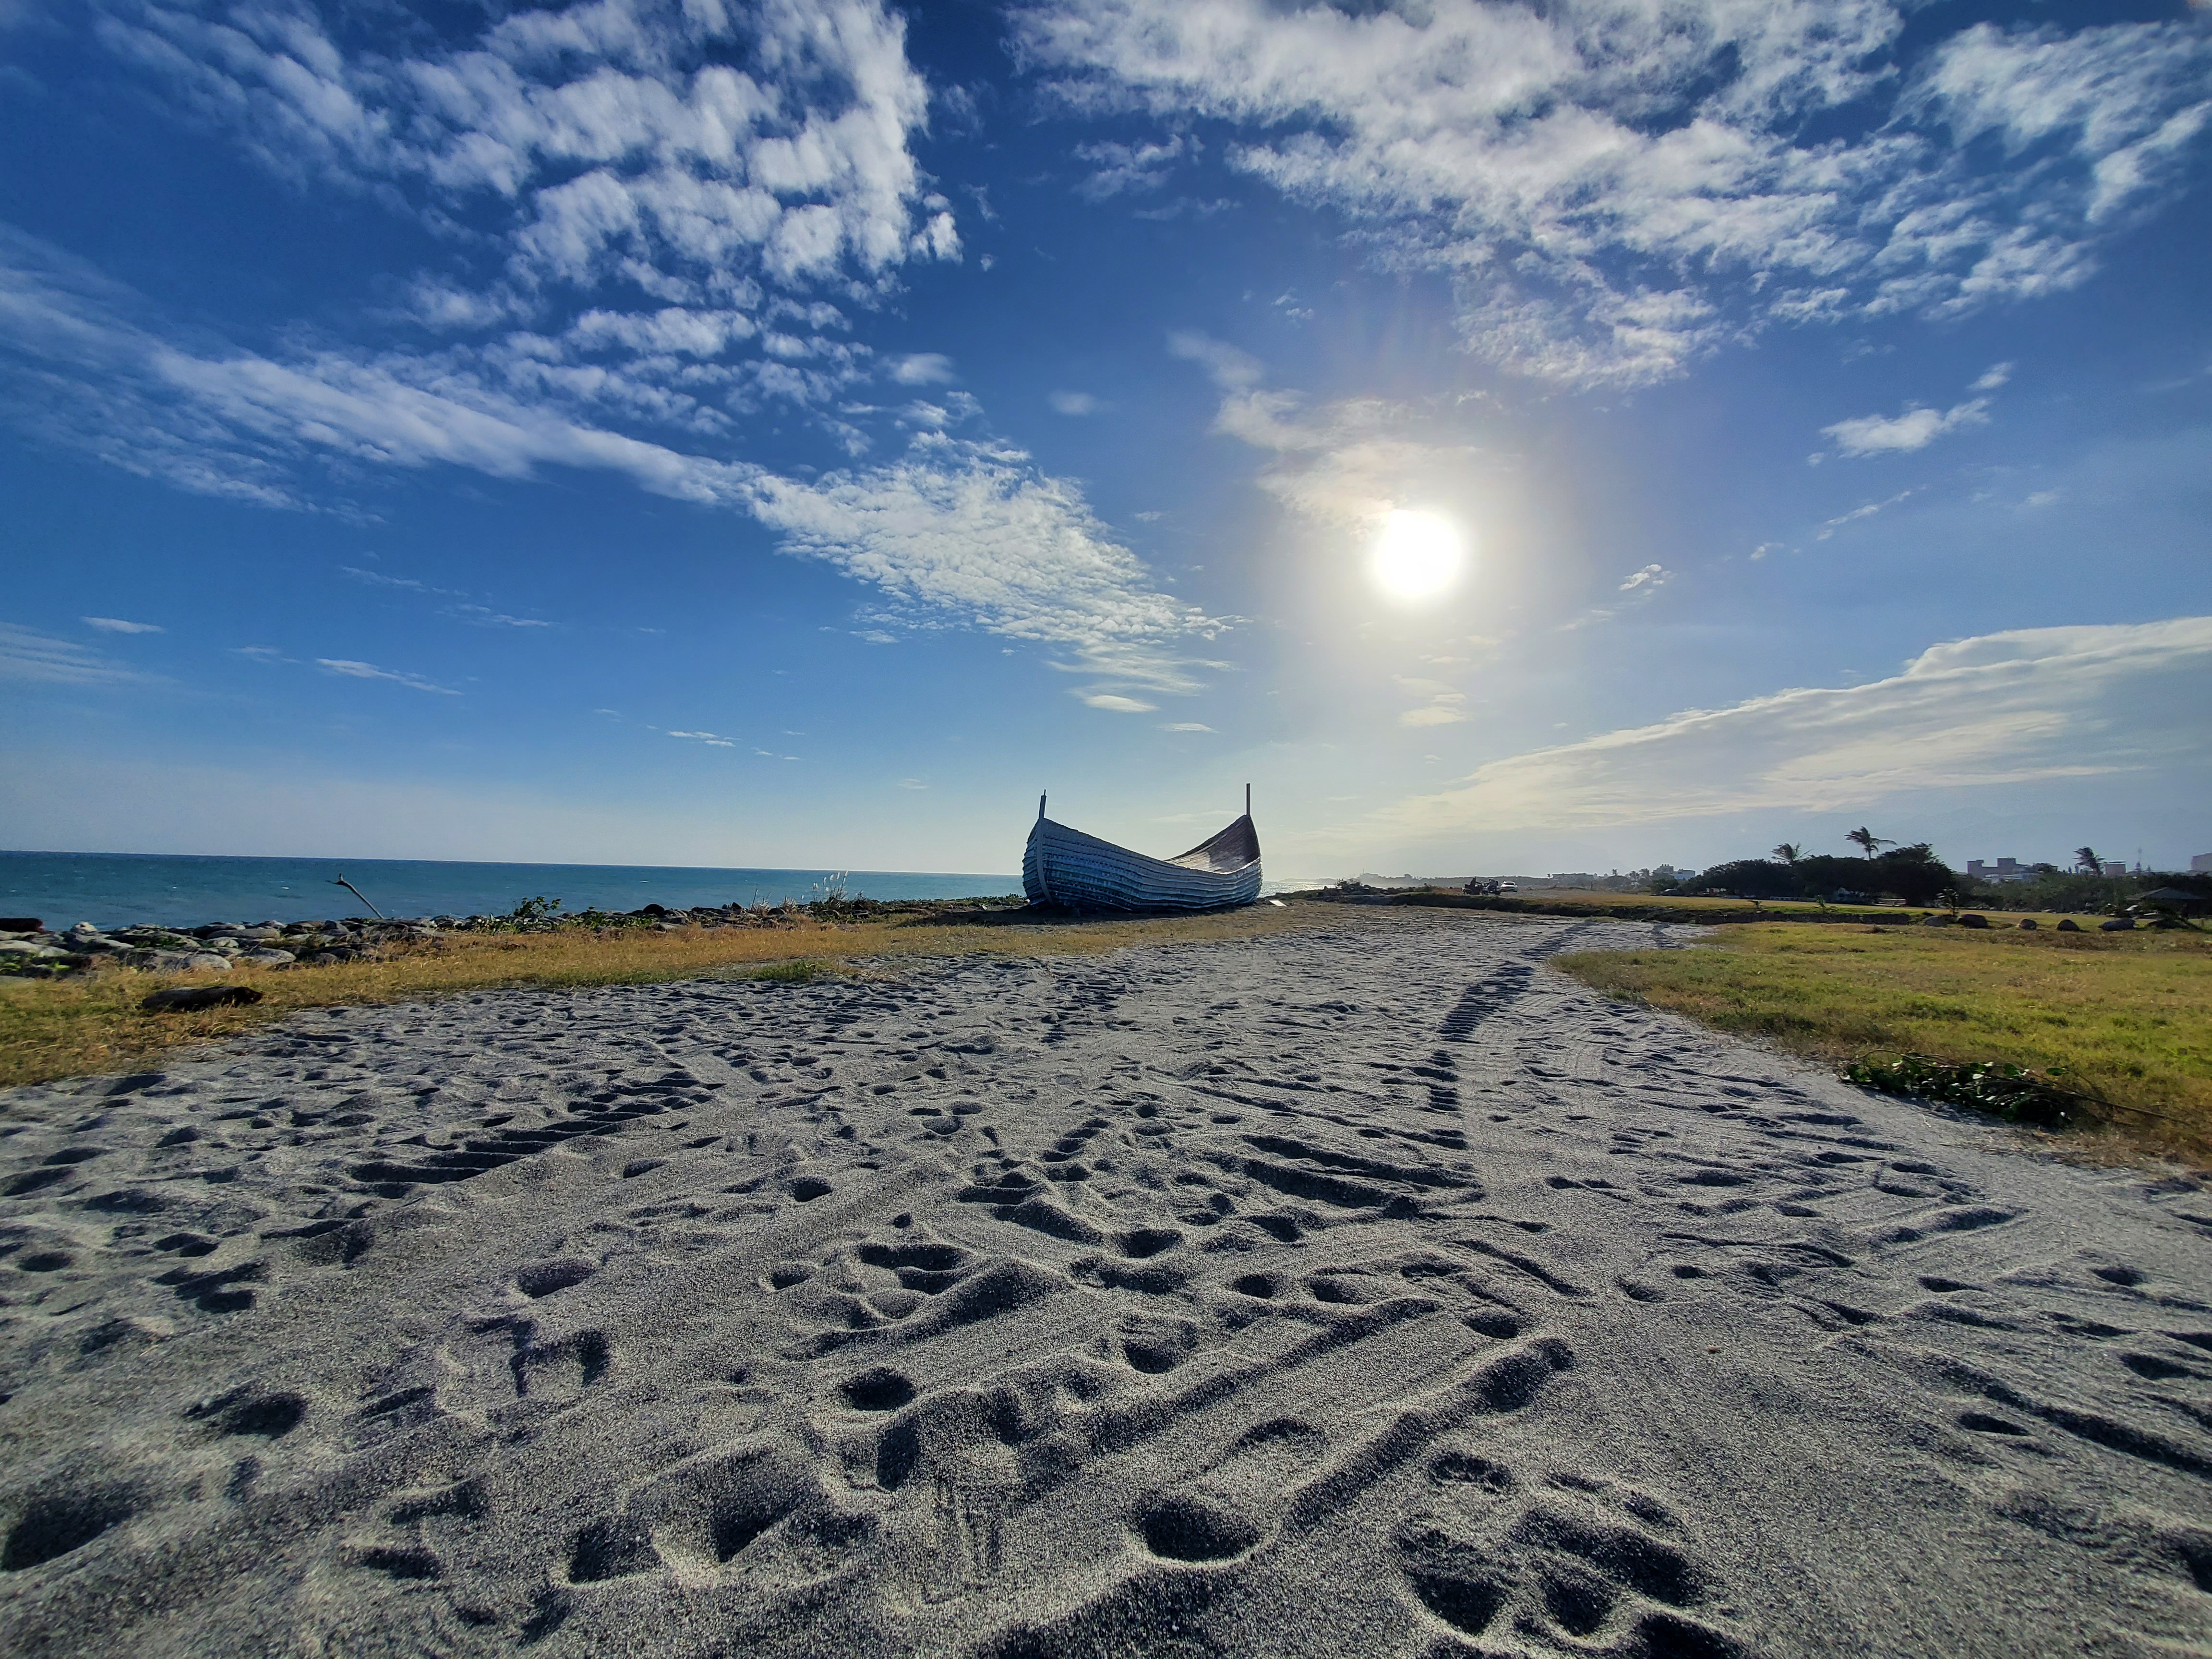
[[1370, 1289]]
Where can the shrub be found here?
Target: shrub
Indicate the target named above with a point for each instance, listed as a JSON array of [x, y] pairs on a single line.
[[2012, 1093]]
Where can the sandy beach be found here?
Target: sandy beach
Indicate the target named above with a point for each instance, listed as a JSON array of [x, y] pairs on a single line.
[[1367, 1290]]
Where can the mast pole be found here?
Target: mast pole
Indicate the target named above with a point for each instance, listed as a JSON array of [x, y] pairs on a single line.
[[1039, 809], [1248, 800]]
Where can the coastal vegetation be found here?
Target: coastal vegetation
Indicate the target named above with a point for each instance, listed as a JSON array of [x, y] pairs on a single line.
[[96, 1022], [2122, 1021]]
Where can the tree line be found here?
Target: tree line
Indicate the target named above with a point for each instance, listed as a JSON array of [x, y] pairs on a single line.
[[1912, 873]]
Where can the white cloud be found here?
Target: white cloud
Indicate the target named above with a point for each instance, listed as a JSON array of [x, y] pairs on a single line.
[[1118, 705], [1346, 464], [1185, 726], [973, 532], [1074, 403], [347, 668], [2031, 706], [1446, 705], [624, 205], [1127, 167], [1651, 576], [707, 738], [921, 368], [912, 783], [116, 625], [1995, 375], [1886, 435], [1616, 188], [613, 132], [1865, 511], [479, 616], [27, 655], [1232, 369]]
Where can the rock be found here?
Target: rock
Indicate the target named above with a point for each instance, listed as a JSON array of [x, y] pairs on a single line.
[[22, 925], [2066, 925], [1970, 920], [1935, 922], [2028, 924], [19, 947], [260, 935], [223, 943], [2117, 925], [180, 999], [159, 962], [270, 958], [325, 958], [205, 959]]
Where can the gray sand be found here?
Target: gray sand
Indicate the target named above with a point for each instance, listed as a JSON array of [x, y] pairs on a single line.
[[1372, 1291]]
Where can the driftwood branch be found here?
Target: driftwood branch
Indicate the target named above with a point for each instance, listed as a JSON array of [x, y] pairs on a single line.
[[363, 898]]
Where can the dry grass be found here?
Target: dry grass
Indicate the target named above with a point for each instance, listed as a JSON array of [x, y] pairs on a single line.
[[2128, 1016], [74, 1028]]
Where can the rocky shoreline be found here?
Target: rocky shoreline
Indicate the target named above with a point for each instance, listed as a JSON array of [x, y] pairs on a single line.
[[34, 951]]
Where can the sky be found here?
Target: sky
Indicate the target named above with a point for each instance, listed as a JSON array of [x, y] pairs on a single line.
[[1510, 437]]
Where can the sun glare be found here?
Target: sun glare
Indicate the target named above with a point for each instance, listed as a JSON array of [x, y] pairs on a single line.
[[1416, 556]]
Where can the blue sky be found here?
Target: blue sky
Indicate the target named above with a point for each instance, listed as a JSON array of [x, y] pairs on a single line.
[[699, 433]]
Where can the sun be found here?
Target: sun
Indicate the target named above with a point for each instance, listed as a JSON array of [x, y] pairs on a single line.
[[1418, 556]]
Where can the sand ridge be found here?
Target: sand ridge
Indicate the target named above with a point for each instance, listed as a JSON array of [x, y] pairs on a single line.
[[1372, 1291]]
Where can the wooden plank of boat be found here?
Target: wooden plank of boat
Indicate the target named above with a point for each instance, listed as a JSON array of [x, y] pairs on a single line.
[[1064, 866]]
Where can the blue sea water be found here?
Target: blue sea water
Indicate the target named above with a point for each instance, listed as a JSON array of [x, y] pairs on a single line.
[[117, 889]]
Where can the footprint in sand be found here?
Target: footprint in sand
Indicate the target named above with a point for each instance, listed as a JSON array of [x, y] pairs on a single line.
[[1236, 1501], [1568, 1560]]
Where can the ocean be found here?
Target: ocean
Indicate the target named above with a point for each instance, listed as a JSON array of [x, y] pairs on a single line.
[[116, 889]]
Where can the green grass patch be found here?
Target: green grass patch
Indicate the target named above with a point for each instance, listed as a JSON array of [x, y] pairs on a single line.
[[2121, 1023]]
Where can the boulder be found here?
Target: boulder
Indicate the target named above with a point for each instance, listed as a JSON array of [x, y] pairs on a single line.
[[270, 958], [160, 962], [21, 925], [1935, 922], [2067, 924], [2117, 925], [184, 1000], [2028, 924], [205, 959], [1970, 920]]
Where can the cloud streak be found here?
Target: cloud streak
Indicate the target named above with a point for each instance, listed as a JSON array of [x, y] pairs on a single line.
[[348, 668], [2036, 705], [958, 531], [29, 656]]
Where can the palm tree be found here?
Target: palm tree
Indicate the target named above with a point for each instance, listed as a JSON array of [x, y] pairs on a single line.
[[2084, 858], [1789, 852], [1867, 840]]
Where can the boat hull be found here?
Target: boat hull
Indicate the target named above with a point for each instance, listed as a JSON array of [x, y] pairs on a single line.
[[1064, 866]]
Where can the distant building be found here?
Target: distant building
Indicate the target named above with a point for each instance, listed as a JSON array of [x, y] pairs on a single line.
[[2115, 868], [2201, 864], [2002, 869]]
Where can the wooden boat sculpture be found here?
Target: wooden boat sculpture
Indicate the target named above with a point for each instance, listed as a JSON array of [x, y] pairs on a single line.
[[1065, 866]]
